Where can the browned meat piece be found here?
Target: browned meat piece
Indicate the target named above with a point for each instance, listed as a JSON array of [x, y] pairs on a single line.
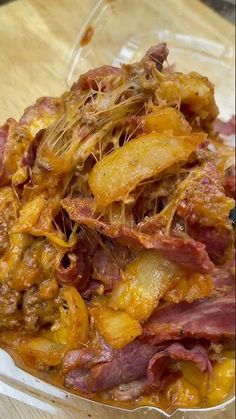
[[158, 54], [224, 128], [73, 270], [10, 317], [42, 113], [217, 241], [229, 182], [126, 365], [184, 251], [100, 78], [97, 352], [37, 312], [14, 140], [128, 391], [105, 268], [212, 319], [158, 365]]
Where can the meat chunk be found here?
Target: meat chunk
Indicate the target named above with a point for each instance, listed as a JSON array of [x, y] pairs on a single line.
[[30, 156], [73, 270], [182, 250], [99, 78], [229, 182], [40, 115], [157, 367], [130, 365], [217, 240], [97, 352], [197, 202], [212, 319], [127, 365], [105, 268], [223, 279], [129, 391], [158, 54], [14, 140], [37, 312], [224, 128], [10, 316]]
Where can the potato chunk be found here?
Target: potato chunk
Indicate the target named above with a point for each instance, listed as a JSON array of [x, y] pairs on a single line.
[[167, 119], [117, 327], [145, 281], [213, 389], [191, 90], [182, 393], [190, 289], [222, 382], [29, 215], [118, 173]]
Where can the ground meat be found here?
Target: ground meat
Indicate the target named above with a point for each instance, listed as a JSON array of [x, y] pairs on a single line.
[[37, 312], [3, 236], [10, 299]]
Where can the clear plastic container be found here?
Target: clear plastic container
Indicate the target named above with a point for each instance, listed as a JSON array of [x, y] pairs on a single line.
[[120, 31], [22, 386]]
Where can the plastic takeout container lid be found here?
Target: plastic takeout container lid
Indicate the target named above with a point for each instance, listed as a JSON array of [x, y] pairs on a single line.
[[121, 31]]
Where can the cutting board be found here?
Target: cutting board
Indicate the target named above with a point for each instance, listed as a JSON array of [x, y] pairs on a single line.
[[36, 37]]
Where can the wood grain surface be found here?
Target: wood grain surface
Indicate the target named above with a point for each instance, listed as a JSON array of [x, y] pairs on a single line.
[[36, 37]]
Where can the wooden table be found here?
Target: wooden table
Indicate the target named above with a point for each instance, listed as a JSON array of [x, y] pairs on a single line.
[[35, 38]]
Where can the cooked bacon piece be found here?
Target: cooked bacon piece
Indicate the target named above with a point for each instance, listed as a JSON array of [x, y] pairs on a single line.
[[204, 196], [158, 364], [30, 156], [14, 140], [134, 362], [108, 261], [98, 79], [197, 201], [72, 270], [189, 253], [218, 241], [105, 268], [158, 54], [97, 352], [212, 319], [184, 251], [93, 289], [205, 223], [225, 128], [223, 279], [41, 114], [229, 182], [127, 365]]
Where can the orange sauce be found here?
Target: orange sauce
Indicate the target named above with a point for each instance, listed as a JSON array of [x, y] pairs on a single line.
[[87, 36]]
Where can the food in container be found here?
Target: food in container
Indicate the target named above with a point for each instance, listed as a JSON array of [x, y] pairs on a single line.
[[116, 266]]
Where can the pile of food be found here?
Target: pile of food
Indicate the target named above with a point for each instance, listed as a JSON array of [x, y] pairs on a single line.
[[116, 244]]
